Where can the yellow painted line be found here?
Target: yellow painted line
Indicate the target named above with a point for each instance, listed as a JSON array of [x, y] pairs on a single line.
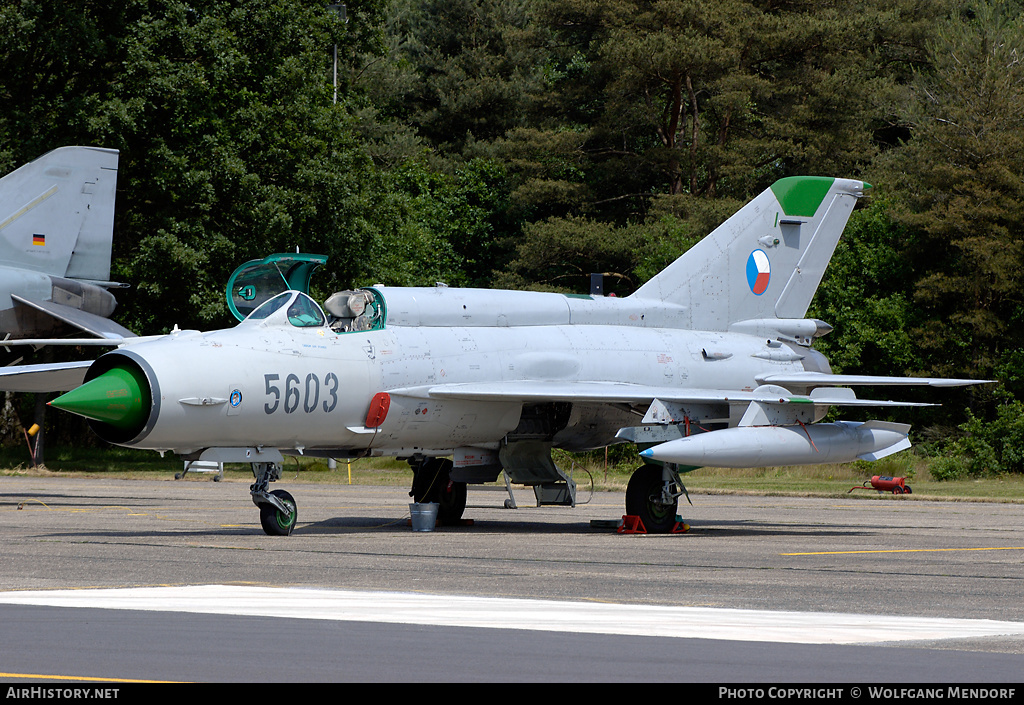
[[906, 550], [44, 676], [28, 206], [22, 505]]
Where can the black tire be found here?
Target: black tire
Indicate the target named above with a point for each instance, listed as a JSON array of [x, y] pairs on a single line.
[[452, 502], [275, 522], [644, 485], [424, 480], [907, 490], [433, 483]]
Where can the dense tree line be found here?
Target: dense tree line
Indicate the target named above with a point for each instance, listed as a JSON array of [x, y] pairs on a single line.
[[527, 143]]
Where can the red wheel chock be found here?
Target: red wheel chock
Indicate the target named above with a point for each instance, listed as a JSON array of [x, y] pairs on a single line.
[[631, 525], [634, 525]]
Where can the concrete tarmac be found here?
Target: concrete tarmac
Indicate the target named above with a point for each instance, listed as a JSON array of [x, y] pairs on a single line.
[[884, 556]]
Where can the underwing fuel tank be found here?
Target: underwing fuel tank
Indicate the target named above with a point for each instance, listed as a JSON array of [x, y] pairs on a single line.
[[752, 446]]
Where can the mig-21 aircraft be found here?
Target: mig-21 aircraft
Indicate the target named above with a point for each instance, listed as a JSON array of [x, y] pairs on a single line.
[[708, 363]]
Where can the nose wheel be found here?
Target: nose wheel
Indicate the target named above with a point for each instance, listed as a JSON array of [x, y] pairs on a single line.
[[275, 521], [278, 511]]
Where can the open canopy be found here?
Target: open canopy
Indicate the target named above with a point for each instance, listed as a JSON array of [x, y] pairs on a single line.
[[259, 280]]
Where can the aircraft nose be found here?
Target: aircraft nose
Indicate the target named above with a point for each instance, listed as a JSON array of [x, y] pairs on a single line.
[[119, 397]]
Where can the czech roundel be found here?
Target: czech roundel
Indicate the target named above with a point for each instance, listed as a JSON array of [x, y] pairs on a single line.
[[759, 271]]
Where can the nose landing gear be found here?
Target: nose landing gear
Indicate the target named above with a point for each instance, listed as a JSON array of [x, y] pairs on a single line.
[[278, 511]]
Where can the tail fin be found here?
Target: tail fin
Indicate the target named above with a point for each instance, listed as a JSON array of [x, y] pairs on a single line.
[[57, 213], [764, 262]]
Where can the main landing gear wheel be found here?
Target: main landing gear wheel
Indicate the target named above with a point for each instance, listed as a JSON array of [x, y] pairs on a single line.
[[648, 498], [274, 521], [432, 482]]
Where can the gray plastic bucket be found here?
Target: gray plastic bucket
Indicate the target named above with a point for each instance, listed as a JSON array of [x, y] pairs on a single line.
[[424, 515]]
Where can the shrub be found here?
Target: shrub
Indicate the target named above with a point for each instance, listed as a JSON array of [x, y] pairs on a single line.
[[988, 447]]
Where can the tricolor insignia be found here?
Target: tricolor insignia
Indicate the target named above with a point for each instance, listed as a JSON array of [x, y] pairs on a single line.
[[38, 239], [759, 272]]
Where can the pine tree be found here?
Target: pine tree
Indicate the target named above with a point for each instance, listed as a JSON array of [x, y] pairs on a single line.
[[961, 180]]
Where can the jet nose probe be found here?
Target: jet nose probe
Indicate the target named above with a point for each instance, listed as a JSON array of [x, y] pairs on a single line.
[[118, 397]]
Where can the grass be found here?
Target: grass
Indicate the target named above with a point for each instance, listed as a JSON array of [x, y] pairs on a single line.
[[835, 480], [810, 481]]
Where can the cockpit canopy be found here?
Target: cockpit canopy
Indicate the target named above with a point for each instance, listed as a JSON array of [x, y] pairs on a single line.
[[260, 280], [259, 288], [291, 307]]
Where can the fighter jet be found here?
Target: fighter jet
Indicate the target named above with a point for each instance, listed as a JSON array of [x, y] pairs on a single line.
[[708, 363], [56, 229]]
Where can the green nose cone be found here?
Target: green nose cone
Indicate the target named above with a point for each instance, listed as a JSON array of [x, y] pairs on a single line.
[[119, 397]]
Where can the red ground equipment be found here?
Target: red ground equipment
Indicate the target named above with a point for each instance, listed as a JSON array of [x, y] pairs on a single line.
[[896, 485]]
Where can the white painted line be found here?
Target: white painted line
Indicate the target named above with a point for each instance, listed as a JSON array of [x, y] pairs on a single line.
[[504, 613]]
